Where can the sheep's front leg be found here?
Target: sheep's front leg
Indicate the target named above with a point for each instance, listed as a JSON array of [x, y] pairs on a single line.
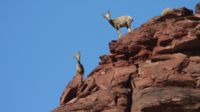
[[119, 33]]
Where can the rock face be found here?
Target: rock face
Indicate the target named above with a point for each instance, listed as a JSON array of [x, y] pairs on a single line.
[[155, 68]]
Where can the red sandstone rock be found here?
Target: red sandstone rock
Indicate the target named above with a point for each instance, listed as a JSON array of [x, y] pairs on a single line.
[[155, 68], [71, 89]]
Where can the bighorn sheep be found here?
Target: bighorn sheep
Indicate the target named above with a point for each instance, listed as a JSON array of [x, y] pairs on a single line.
[[119, 22], [79, 66], [167, 11], [71, 89]]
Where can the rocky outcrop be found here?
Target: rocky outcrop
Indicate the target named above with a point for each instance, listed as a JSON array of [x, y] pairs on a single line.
[[155, 68], [71, 90]]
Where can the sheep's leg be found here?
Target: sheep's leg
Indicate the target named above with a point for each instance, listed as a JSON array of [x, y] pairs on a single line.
[[129, 29], [119, 33]]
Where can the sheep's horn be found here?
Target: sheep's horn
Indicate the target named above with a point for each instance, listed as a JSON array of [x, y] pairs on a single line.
[[79, 52]]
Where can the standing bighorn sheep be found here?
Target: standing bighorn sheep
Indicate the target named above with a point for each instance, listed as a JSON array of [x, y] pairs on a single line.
[[119, 22]]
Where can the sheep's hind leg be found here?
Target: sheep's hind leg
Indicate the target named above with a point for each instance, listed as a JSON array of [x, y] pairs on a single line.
[[129, 30]]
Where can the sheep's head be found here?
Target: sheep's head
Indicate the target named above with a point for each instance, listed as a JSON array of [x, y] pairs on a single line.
[[77, 56], [107, 15]]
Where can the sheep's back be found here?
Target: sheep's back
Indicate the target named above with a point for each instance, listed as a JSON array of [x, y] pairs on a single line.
[[122, 20]]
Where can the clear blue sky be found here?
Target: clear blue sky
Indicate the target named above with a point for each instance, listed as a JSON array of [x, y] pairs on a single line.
[[39, 37]]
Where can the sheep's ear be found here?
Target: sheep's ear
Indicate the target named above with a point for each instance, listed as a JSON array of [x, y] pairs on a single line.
[[78, 55]]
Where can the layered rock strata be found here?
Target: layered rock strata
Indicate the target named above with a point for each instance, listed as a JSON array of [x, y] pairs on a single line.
[[155, 68]]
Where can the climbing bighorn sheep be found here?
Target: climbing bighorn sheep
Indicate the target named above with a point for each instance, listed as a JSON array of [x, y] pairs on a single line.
[[79, 66], [119, 22], [71, 89]]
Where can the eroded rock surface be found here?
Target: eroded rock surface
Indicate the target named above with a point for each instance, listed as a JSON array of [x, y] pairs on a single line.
[[155, 68]]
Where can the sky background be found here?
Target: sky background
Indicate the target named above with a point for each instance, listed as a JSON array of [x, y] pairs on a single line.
[[39, 37]]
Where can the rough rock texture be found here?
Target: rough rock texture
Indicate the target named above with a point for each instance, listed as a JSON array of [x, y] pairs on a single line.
[[71, 89], [155, 68]]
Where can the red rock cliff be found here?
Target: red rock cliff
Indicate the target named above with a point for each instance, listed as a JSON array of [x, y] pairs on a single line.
[[155, 68]]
